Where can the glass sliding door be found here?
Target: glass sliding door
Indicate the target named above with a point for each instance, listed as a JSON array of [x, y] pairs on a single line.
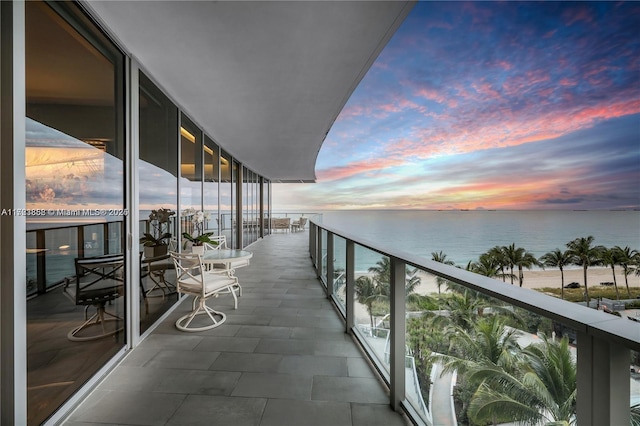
[[236, 214], [266, 209], [191, 173], [210, 185], [75, 187], [158, 171], [226, 201]]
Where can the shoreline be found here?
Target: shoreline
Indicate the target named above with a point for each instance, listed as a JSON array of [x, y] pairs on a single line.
[[540, 278]]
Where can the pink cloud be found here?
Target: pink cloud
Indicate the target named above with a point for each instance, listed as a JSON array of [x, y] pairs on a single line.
[[356, 168]]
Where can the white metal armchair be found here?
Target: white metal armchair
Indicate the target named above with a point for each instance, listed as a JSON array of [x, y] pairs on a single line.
[[192, 278]]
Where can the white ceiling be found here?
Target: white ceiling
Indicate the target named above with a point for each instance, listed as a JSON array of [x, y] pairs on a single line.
[[265, 79]]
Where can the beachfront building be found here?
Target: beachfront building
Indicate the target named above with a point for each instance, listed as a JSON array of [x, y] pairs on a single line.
[[122, 109], [115, 114]]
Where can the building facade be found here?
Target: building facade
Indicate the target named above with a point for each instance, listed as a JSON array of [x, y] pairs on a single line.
[[111, 117]]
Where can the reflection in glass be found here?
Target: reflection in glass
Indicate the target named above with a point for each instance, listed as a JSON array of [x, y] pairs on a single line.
[[266, 223], [74, 172], [158, 167], [371, 305], [236, 212], [339, 271], [210, 185], [190, 167], [226, 201]]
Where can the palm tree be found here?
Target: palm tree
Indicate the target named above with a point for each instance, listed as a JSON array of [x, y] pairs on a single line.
[[367, 292], [382, 270], [518, 256], [442, 258], [585, 255], [382, 275], [489, 341], [609, 257], [488, 266], [557, 259], [626, 259], [498, 254], [543, 389]]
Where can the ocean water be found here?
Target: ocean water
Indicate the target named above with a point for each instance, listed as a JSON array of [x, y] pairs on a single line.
[[464, 235]]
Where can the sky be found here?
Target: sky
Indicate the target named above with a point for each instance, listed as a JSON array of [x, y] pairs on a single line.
[[490, 105]]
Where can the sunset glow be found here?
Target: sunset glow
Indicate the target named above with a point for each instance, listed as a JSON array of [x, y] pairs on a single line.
[[494, 105]]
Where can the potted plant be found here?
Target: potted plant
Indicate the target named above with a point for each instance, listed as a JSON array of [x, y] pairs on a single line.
[[199, 237], [156, 242]]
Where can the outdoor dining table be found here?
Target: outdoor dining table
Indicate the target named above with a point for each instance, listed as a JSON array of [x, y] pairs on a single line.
[[231, 258]]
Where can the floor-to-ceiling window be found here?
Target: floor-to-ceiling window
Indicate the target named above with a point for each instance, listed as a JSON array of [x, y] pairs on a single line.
[[236, 201], [266, 208], [190, 172], [246, 206], [75, 192], [226, 202], [210, 185], [158, 171]]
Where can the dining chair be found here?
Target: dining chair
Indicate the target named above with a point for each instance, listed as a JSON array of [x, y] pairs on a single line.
[[99, 280], [192, 278], [220, 240]]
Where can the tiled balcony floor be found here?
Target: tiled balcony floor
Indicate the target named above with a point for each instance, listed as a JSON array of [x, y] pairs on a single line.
[[282, 358]]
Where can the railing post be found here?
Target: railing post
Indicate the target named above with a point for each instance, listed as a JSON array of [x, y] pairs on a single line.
[[351, 290], [330, 274], [398, 330], [602, 382], [319, 253]]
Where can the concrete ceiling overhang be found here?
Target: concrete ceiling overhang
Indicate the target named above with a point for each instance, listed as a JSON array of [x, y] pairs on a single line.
[[264, 79]]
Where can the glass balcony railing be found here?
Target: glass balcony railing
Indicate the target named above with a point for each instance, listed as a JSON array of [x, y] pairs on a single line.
[[457, 347]]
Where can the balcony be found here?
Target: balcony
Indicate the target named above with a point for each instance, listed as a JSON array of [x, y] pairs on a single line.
[[282, 358]]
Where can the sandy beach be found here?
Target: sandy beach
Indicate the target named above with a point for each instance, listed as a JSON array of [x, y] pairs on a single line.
[[545, 278], [550, 278], [532, 279]]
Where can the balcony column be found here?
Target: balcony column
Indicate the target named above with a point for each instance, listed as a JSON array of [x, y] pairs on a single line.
[[602, 382], [351, 290], [13, 276], [330, 257], [398, 331]]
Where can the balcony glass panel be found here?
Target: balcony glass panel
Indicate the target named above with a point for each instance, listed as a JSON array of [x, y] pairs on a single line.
[[323, 257], [489, 352], [371, 307], [635, 382], [339, 271]]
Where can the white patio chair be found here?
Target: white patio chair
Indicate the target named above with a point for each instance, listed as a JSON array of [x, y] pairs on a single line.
[[193, 279]]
